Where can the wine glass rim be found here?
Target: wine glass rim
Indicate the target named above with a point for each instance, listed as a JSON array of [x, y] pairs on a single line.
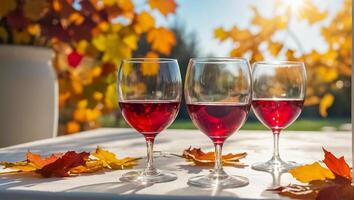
[[149, 60], [280, 62], [219, 60]]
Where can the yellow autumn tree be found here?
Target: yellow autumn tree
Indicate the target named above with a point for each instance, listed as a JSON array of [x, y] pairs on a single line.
[[327, 72], [89, 39]]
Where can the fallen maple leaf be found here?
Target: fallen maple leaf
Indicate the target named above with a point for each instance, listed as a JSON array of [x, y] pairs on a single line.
[[20, 166], [64, 164], [200, 158], [38, 162], [308, 173], [33, 163], [337, 165], [109, 159]]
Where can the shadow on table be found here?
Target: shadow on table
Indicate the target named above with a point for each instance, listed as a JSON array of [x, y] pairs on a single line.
[[8, 181], [195, 191], [111, 187]]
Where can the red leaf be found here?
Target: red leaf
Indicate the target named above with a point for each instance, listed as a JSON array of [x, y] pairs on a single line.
[[83, 30], [337, 165], [329, 193], [87, 8], [336, 192], [74, 59], [63, 165], [17, 20]]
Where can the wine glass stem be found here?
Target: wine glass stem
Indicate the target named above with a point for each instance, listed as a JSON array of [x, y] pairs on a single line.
[[218, 158], [150, 169], [276, 155]]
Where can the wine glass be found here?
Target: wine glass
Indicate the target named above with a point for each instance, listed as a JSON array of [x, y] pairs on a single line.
[[278, 92], [149, 91], [218, 98]]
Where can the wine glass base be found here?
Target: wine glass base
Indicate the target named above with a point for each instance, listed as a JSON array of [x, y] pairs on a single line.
[[275, 165], [207, 181], [140, 178]]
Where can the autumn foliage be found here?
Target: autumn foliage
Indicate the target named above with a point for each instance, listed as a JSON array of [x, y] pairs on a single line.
[[328, 72], [89, 39], [331, 183], [69, 163]]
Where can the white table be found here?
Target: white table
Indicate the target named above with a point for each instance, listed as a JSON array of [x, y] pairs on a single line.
[[304, 147]]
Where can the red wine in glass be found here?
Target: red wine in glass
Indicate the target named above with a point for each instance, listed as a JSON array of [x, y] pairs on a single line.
[[218, 121], [277, 114], [149, 117]]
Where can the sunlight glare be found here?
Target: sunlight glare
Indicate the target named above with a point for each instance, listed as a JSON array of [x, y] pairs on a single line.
[[295, 5]]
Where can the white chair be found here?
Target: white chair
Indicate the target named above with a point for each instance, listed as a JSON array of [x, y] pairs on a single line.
[[28, 95]]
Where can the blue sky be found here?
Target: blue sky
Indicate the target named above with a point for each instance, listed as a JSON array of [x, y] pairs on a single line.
[[203, 16]]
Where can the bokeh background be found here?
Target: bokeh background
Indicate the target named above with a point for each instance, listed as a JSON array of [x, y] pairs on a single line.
[[90, 38]]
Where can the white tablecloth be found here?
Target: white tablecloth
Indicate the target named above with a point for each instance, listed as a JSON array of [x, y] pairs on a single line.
[[303, 147]]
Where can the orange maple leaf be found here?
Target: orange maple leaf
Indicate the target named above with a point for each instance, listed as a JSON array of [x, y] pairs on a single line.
[[164, 6], [337, 165], [200, 158], [38, 161], [161, 40]]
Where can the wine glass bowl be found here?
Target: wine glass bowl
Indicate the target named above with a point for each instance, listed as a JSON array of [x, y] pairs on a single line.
[[218, 98], [149, 92], [277, 99]]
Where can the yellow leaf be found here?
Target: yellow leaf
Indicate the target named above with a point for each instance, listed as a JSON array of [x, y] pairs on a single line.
[[111, 99], [311, 101], [311, 13], [92, 114], [131, 40], [164, 6], [97, 96], [34, 29], [240, 35], [3, 34], [274, 48], [82, 46], [308, 173], [72, 127], [20, 166], [221, 34], [161, 40], [35, 9], [6, 7], [125, 5], [80, 115], [326, 102], [110, 160], [99, 42], [89, 167], [144, 22], [149, 68], [76, 18], [82, 103], [21, 37]]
